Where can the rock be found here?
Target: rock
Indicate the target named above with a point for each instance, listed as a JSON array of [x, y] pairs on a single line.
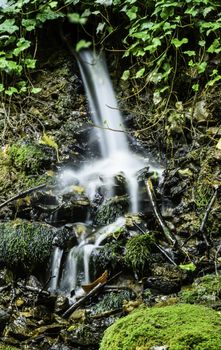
[[19, 329], [4, 318], [178, 326], [24, 245], [65, 238], [109, 211], [162, 285], [61, 304]]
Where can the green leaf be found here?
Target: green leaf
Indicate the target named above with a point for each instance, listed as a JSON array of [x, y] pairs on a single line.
[[76, 18], [195, 87], [35, 90], [125, 75], [11, 90], [188, 267], [177, 43], [140, 73], [8, 26], [202, 67], [2, 87], [100, 27], [190, 53], [29, 24], [82, 44], [218, 145], [22, 44], [132, 12], [214, 47], [30, 63]]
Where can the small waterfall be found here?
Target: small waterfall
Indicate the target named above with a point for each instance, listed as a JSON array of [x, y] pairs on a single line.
[[116, 158]]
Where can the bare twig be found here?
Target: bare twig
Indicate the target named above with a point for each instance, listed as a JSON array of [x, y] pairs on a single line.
[[150, 191], [22, 194]]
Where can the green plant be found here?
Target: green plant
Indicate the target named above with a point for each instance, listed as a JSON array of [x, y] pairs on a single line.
[[164, 38], [178, 327], [137, 252]]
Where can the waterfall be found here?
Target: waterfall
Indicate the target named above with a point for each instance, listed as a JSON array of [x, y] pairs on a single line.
[[116, 158]]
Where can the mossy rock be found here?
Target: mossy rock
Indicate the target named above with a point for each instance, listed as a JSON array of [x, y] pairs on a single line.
[[176, 327], [29, 157], [204, 290], [25, 245], [137, 253], [112, 209]]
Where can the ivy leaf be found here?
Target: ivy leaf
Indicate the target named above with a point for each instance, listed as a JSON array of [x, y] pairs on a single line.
[[215, 47], [140, 73], [177, 43], [202, 67], [76, 18], [188, 267], [100, 27], [11, 90], [22, 44], [190, 53], [82, 44], [8, 26], [35, 90], [132, 12], [30, 63], [29, 24], [125, 75], [218, 145]]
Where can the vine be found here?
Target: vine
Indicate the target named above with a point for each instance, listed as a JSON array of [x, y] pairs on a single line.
[[165, 39]]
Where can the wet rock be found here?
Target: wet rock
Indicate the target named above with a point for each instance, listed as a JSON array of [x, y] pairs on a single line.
[[111, 210], [34, 282], [61, 304], [162, 285], [120, 184], [86, 335], [25, 245], [20, 328], [61, 346], [73, 209], [66, 237], [4, 318]]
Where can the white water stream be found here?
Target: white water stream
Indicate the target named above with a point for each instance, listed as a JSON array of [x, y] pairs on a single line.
[[116, 158]]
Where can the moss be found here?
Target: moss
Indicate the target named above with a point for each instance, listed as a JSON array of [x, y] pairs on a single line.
[[112, 301], [204, 290], [111, 210], [178, 327], [7, 347], [137, 253], [28, 157], [24, 245]]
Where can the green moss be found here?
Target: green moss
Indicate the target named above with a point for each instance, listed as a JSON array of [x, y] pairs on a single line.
[[137, 253], [28, 157], [179, 327], [113, 208], [7, 347], [24, 245], [205, 290], [112, 301]]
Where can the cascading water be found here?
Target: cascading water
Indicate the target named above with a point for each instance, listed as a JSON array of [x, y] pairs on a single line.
[[116, 158]]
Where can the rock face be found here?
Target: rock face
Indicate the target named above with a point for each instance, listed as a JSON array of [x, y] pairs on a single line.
[[174, 327]]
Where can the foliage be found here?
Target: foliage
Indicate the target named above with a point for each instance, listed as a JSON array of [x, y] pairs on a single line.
[[25, 245], [204, 290], [27, 157], [179, 327], [111, 301], [137, 254], [164, 39], [7, 347]]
